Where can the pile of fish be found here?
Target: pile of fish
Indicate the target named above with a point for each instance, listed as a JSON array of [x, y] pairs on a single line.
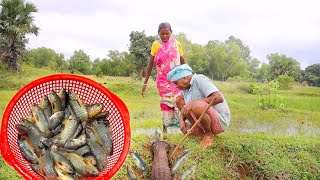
[[158, 172], [64, 138]]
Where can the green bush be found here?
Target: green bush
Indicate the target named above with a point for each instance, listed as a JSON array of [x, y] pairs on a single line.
[[3, 66], [268, 93], [285, 81], [98, 72], [304, 83], [244, 87], [255, 88]]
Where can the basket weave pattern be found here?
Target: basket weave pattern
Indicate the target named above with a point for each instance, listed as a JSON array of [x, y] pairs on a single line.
[[90, 92]]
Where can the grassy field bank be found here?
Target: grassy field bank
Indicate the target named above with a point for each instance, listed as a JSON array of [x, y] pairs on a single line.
[[260, 144]]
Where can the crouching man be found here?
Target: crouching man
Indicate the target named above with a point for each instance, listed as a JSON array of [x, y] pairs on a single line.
[[197, 92]]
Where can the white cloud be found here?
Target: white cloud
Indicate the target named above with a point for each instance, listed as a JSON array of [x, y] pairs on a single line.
[[269, 26]]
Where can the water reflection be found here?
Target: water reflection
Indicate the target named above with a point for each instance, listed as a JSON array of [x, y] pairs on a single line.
[[151, 131], [291, 130]]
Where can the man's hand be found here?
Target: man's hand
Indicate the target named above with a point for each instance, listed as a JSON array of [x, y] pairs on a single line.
[[186, 109], [143, 91], [183, 126]]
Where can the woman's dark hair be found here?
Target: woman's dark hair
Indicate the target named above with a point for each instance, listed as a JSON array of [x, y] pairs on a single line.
[[164, 25]]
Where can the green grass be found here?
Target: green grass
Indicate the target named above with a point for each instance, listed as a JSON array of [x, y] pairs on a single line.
[[258, 144], [16, 80]]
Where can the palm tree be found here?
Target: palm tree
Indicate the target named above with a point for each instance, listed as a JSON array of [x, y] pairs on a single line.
[[15, 22]]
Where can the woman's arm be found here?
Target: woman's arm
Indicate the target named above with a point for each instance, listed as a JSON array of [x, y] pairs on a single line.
[[182, 60], [149, 69]]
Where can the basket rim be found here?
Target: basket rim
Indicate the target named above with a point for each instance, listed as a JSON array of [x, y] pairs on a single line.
[[120, 105]]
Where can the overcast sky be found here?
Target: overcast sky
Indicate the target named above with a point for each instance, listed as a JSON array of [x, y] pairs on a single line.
[[290, 27]]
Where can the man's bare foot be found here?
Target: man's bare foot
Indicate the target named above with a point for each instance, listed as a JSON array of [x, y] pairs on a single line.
[[206, 141]]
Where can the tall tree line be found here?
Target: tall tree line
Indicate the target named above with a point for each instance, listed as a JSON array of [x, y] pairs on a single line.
[[219, 60]]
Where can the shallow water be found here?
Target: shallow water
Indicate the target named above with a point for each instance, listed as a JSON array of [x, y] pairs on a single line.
[[291, 130], [151, 131]]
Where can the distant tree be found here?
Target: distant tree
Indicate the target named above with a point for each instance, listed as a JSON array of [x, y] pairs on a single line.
[[224, 61], [128, 64], [313, 69], [45, 57], [281, 65], [120, 66], [61, 64], [96, 69], [193, 53], [105, 66], [244, 49], [212, 56], [80, 62], [263, 73], [185, 43], [140, 46], [254, 67], [312, 75], [196, 58], [16, 21]]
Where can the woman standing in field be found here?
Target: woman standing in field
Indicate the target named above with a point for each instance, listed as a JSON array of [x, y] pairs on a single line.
[[166, 54]]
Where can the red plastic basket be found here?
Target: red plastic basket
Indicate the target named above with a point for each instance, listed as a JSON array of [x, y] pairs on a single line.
[[89, 91]]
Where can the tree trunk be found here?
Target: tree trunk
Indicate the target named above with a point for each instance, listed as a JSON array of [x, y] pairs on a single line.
[[12, 62], [142, 71], [12, 57]]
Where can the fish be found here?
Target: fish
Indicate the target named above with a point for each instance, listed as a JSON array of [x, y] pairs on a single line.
[[63, 95], [83, 150], [36, 137], [99, 153], [78, 107], [78, 131], [92, 135], [73, 144], [90, 159], [41, 120], [102, 115], [47, 164], [81, 166], [179, 162], [46, 106], [63, 138], [61, 162], [158, 134], [35, 168], [68, 112], [63, 175], [55, 102], [22, 130], [57, 130], [30, 117], [94, 109], [55, 120], [27, 151], [70, 127], [130, 173], [104, 135], [140, 163], [189, 173]]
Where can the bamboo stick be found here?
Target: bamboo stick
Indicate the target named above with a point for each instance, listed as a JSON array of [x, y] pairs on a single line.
[[194, 125]]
